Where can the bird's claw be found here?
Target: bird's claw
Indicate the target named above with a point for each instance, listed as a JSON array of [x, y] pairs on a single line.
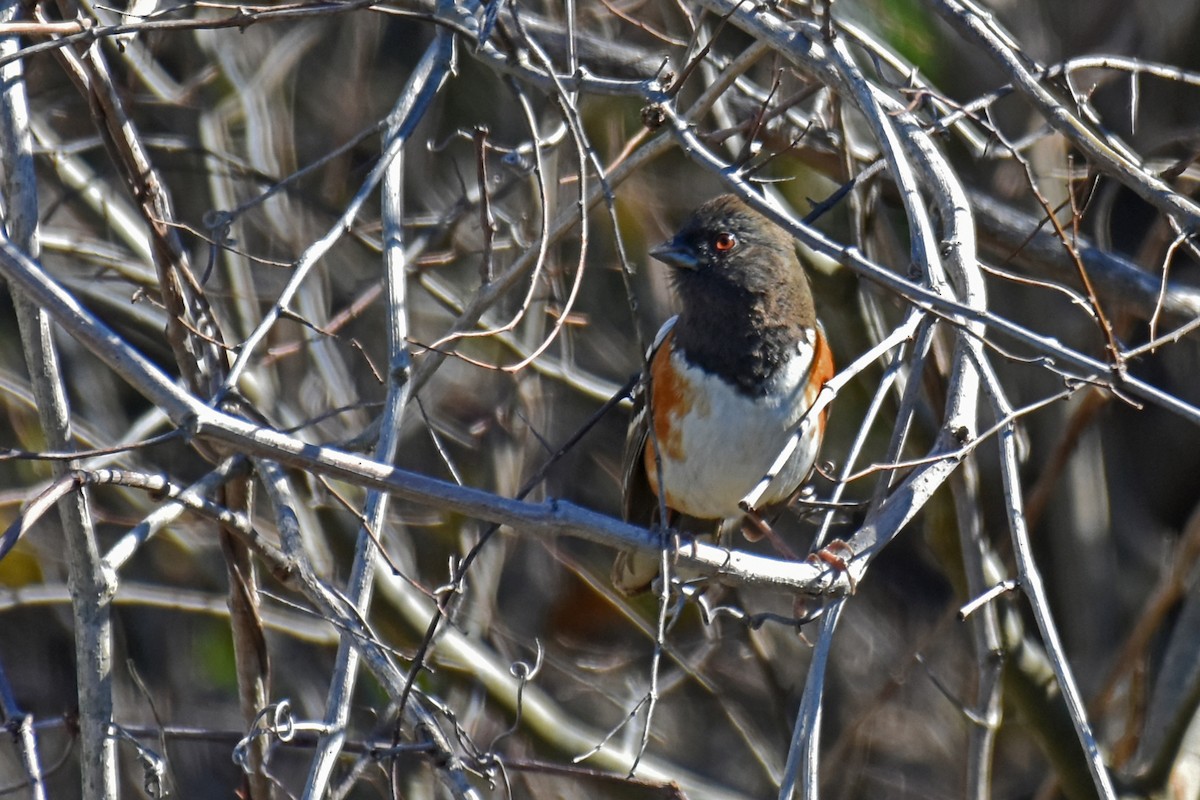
[[836, 555]]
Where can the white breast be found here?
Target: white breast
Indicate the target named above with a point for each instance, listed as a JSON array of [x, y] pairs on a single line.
[[742, 436]]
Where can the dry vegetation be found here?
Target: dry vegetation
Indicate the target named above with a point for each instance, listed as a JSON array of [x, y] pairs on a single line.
[[237, 235]]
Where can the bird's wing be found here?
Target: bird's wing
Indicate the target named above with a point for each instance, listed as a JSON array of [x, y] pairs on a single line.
[[633, 572], [638, 500]]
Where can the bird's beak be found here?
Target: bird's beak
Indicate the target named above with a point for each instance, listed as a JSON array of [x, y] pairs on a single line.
[[676, 254]]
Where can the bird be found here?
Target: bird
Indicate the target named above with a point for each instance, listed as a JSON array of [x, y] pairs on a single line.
[[729, 380]]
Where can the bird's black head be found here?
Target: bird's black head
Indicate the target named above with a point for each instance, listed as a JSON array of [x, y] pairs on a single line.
[[745, 300], [727, 246]]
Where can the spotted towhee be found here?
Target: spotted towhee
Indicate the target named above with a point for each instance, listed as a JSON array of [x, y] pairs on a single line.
[[731, 377]]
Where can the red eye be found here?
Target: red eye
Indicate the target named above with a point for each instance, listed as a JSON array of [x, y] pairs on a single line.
[[725, 242]]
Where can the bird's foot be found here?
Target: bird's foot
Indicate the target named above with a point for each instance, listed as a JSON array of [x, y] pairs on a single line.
[[836, 555]]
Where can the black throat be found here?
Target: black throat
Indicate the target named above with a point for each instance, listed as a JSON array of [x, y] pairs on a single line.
[[730, 332]]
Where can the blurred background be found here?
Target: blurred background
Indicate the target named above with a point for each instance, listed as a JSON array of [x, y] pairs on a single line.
[[263, 132]]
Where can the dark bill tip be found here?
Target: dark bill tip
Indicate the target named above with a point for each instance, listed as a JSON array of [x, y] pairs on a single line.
[[676, 255]]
